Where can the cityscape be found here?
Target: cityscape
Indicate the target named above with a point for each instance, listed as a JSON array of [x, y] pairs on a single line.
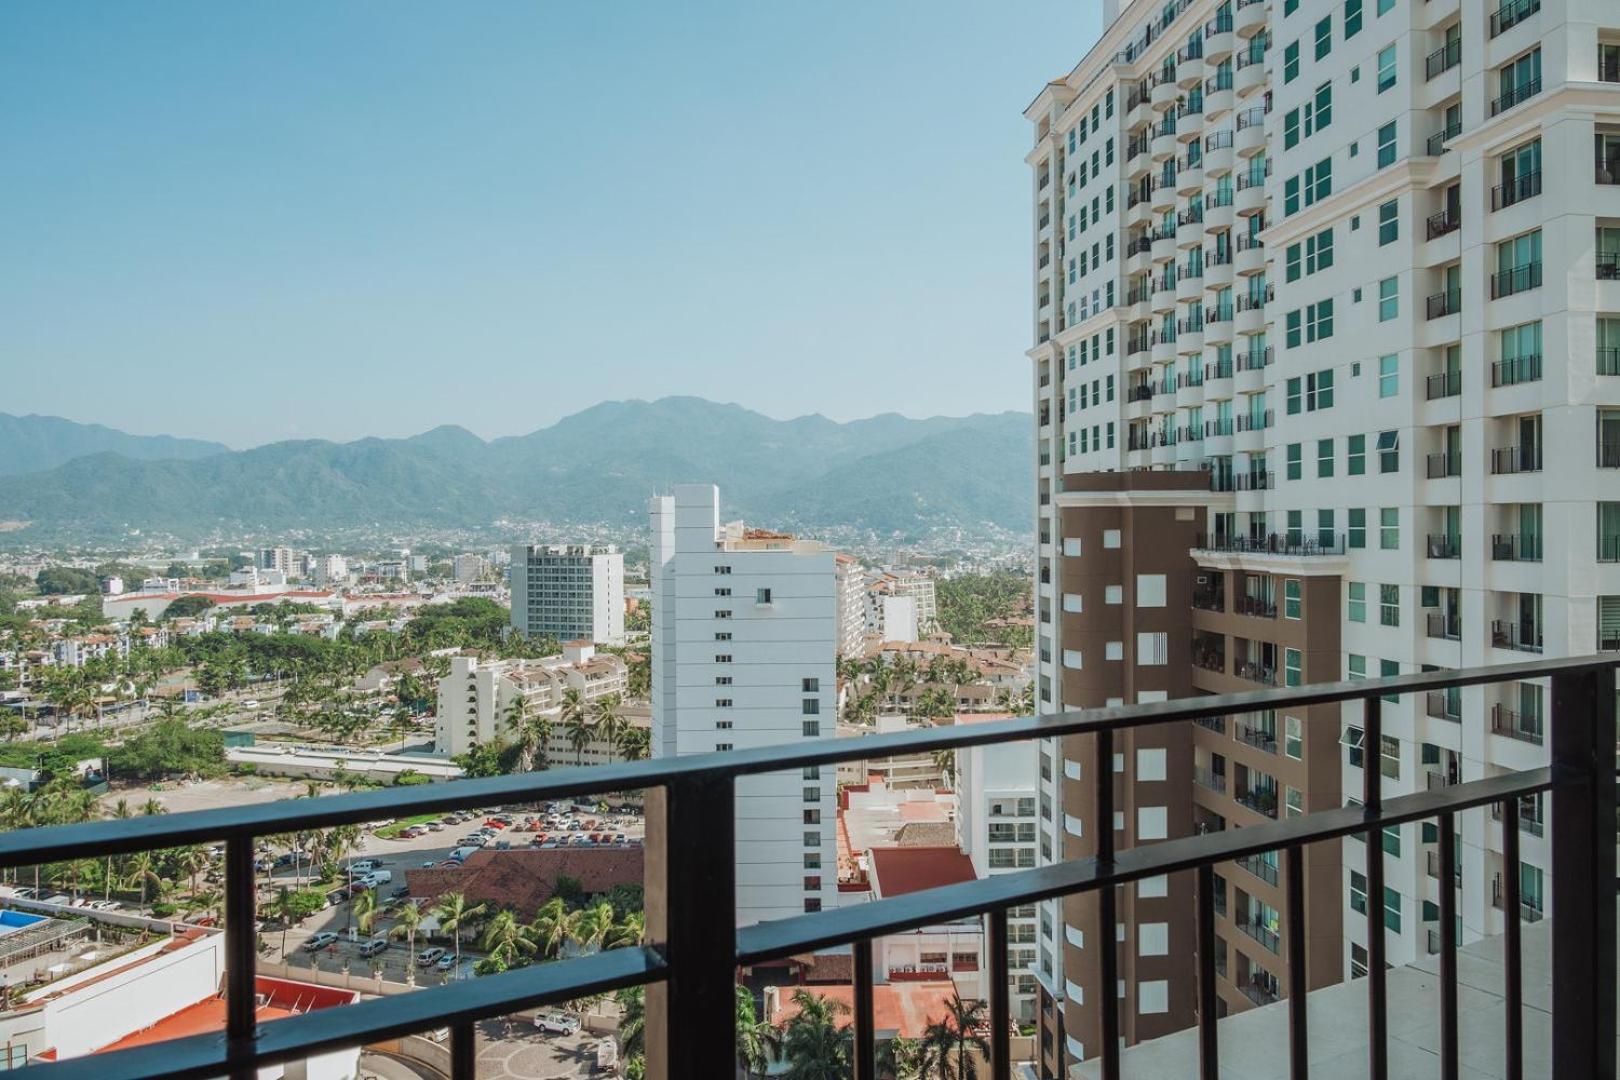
[[1242, 703]]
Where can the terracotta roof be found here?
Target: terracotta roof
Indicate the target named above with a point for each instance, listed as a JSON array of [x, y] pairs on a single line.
[[897, 871], [826, 967], [899, 1008], [926, 834], [523, 879]]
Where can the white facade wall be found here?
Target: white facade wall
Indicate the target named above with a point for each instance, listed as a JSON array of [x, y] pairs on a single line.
[[729, 672], [1137, 245], [997, 788]]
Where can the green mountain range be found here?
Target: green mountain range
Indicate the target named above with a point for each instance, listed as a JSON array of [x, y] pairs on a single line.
[[887, 473], [35, 443]]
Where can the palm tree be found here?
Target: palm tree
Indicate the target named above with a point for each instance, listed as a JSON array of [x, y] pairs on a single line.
[[945, 762], [632, 1021], [405, 925], [629, 932], [453, 914], [532, 735], [551, 928], [593, 926], [610, 722], [900, 1059], [813, 1044], [757, 1040], [959, 1033], [577, 720], [281, 907], [191, 861], [363, 910], [503, 938]]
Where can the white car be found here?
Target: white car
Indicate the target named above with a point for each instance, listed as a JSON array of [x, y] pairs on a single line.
[[429, 956], [320, 941], [556, 1023], [446, 962], [250, 703]]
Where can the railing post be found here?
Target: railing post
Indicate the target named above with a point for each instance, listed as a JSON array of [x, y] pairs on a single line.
[[1000, 995], [241, 953], [865, 1036], [691, 912], [1107, 900], [1583, 874], [1372, 798]]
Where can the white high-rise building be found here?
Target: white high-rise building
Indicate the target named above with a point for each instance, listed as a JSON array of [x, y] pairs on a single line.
[[744, 640], [284, 559], [572, 592], [1326, 336], [851, 582], [469, 567]]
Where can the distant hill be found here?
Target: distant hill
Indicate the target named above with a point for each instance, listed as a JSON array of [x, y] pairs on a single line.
[[886, 473], [35, 443]]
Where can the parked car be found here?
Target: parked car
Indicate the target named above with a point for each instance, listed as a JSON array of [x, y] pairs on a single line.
[[429, 956], [373, 947], [337, 896], [320, 941], [447, 962], [556, 1023], [364, 866]]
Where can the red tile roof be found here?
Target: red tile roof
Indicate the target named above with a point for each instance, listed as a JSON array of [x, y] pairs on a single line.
[[525, 879], [897, 871], [901, 1008]]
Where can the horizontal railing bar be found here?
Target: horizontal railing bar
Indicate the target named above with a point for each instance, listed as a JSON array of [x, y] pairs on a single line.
[[25, 847], [367, 1021], [801, 933]]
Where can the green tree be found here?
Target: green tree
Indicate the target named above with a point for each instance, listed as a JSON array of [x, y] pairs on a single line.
[[576, 720], [813, 1044], [504, 938], [453, 914], [758, 1041]]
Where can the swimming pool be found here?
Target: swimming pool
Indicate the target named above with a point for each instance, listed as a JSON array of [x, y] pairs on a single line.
[[11, 921]]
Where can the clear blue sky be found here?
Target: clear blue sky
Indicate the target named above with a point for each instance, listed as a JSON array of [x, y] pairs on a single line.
[[258, 221]]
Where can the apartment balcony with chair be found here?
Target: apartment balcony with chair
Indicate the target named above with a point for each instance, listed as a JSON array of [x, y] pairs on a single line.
[[1258, 607], [1444, 546], [1258, 736], [694, 947]]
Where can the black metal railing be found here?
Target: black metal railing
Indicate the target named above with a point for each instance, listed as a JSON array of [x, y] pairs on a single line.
[[1522, 187], [1444, 303], [1608, 266], [1444, 546], [1444, 463], [694, 946], [1516, 96], [1259, 867], [1516, 459], [1513, 370], [1516, 634], [1209, 598], [1516, 547], [1258, 737], [1445, 627], [1256, 480], [1257, 607], [1443, 704], [1515, 279], [1445, 384], [1446, 221], [1526, 727], [1437, 142], [1512, 13], [1443, 59], [1270, 544]]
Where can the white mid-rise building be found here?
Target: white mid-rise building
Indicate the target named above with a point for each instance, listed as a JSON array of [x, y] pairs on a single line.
[[469, 567], [569, 592], [475, 703], [851, 585], [1326, 340], [744, 640], [996, 791]]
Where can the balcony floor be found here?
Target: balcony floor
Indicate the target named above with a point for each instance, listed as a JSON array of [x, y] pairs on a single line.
[[1254, 1044]]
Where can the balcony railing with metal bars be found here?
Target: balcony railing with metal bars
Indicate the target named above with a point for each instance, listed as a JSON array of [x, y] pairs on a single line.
[[1256, 480], [1214, 781], [1259, 607], [1520, 188], [1515, 459], [1207, 598], [1448, 302], [694, 946], [1443, 59], [1258, 992], [1516, 279], [1444, 463], [1270, 544], [1445, 384], [1516, 547], [1437, 141], [1513, 370], [1608, 64], [1255, 421], [1516, 96], [1254, 671], [1516, 635], [1260, 800], [1512, 14], [1608, 266], [1444, 546], [1446, 221], [1444, 627], [1442, 704], [1525, 727], [1258, 737], [1259, 867]]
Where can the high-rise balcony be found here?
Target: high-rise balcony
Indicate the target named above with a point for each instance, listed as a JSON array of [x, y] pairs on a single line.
[[1511, 14], [1446, 221], [1518, 95], [1443, 59], [1516, 459], [1444, 463], [1520, 188], [693, 947], [1259, 867], [1437, 142], [1259, 607], [1516, 634], [1444, 303], [1443, 704], [1444, 546], [1516, 547], [1270, 544], [1513, 370], [1445, 626], [1255, 671], [1608, 266], [1516, 725], [1515, 279], [1205, 778], [1443, 385]]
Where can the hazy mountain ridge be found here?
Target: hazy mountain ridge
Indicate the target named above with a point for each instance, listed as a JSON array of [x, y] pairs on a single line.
[[885, 473], [34, 443]]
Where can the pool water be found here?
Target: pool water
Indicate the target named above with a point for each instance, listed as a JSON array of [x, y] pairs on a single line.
[[17, 920]]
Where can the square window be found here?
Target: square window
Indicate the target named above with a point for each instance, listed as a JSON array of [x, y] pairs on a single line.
[[1114, 650], [1150, 590]]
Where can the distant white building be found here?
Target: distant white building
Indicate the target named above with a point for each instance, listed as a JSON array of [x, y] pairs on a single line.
[[569, 592], [744, 638], [851, 586], [289, 562], [330, 570], [469, 567], [996, 824], [899, 618], [475, 700]]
